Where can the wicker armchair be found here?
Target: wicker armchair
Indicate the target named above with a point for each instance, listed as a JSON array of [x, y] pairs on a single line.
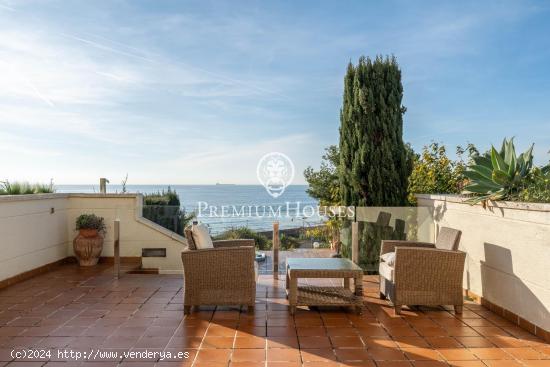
[[223, 275], [424, 273]]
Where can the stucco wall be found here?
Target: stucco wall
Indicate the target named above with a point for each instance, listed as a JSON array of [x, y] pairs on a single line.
[[508, 252], [32, 236]]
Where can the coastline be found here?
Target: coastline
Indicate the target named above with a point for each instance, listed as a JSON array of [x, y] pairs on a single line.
[[191, 197]]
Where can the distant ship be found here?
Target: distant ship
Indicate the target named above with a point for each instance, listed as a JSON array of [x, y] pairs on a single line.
[[222, 184]]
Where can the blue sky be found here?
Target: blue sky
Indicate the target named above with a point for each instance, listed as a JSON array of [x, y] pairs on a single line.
[[181, 92]]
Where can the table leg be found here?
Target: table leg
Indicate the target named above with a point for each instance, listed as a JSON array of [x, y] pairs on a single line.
[[346, 283], [287, 282], [292, 293]]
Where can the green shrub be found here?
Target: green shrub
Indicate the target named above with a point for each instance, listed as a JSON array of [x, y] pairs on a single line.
[[537, 190], [435, 173], [90, 221], [261, 241], [324, 184], [288, 242], [164, 208], [324, 245], [24, 188], [169, 197], [493, 175], [321, 234]]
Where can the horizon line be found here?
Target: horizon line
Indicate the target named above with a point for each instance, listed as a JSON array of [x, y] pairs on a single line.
[[146, 184]]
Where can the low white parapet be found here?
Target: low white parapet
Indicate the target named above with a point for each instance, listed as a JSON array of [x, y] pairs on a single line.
[[36, 230], [508, 251]]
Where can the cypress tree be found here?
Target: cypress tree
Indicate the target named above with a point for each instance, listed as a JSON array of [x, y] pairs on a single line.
[[373, 158]]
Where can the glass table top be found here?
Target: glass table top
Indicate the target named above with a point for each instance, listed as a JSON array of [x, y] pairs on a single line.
[[321, 264]]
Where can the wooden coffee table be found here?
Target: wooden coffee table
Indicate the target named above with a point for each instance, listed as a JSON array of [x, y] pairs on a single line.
[[320, 295]]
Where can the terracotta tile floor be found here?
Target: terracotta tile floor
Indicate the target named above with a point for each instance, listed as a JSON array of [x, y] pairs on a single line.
[[73, 310]]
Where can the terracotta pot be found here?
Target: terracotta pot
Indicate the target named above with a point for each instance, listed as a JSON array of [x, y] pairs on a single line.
[[87, 248], [88, 232]]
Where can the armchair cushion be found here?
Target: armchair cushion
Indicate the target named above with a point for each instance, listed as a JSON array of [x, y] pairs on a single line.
[[448, 239], [189, 237], [388, 258], [391, 245], [201, 237], [386, 271]]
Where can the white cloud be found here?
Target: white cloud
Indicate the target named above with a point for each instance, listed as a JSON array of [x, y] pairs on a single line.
[[234, 161], [195, 96]]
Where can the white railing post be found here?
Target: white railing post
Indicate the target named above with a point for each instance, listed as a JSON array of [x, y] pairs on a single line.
[[103, 185], [275, 250], [355, 242], [116, 236]]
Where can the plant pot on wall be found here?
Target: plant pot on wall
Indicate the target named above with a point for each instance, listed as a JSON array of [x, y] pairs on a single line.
[[88, 244]]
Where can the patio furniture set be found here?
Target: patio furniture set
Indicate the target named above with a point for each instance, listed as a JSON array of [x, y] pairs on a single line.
[[225, 272]]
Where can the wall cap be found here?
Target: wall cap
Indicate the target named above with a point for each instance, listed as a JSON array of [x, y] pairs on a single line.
[[11, 198], [512, 205], [108, 195]]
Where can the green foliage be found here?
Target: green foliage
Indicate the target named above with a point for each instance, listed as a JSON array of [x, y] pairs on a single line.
[[499, 175], [434, 172], [261, 241], [324, 184], [537, 190], [322, 234], [288, 242], [24, 188], [324, 245], [90, 221], [164, 209], [168, 197], [374, 165]]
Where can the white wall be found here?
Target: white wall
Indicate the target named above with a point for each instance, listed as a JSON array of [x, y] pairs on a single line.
[[32, 236], [508, 252]]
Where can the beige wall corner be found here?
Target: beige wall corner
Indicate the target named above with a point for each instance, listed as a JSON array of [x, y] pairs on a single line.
[[39, 229], [508, 252]]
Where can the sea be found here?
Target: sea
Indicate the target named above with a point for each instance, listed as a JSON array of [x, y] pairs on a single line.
[[226, 206]]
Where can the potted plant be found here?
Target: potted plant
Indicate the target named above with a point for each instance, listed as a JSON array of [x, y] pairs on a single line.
[[88, 244]]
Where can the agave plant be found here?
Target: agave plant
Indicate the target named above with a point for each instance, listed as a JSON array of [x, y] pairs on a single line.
[[498, 175]]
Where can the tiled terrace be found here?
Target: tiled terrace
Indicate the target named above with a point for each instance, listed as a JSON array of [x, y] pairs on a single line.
[[86, 309]]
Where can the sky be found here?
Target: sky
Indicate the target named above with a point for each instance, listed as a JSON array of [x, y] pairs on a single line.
[[196, 92]]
